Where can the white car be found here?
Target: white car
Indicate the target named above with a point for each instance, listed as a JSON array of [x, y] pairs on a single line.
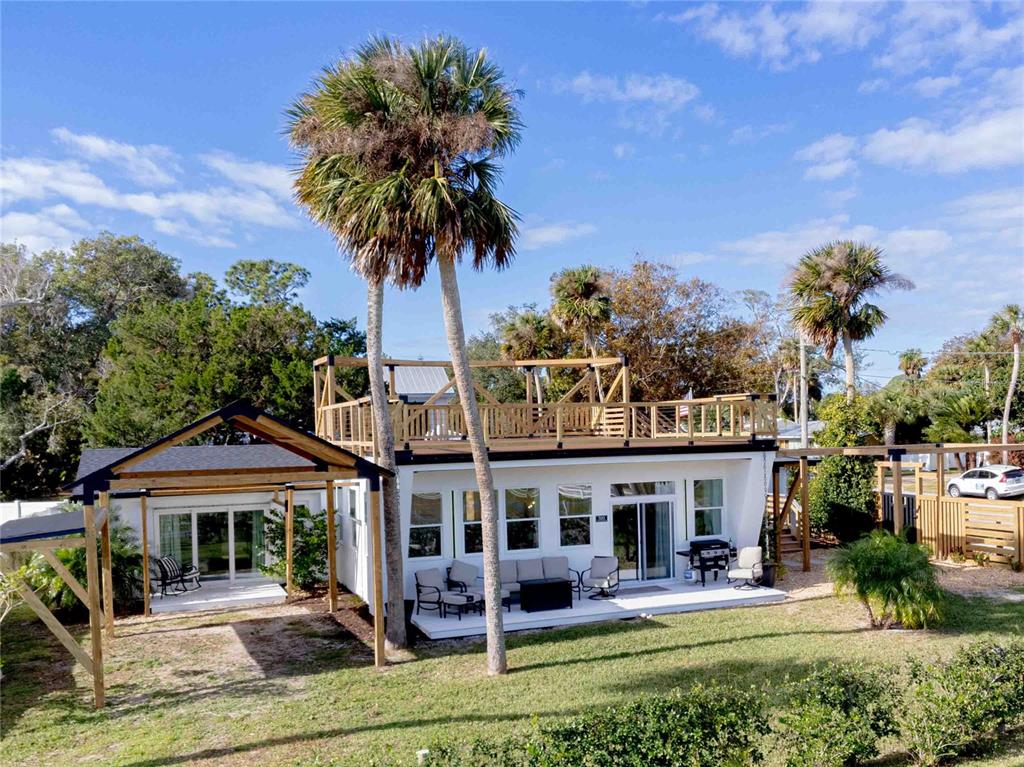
[[996, 481]]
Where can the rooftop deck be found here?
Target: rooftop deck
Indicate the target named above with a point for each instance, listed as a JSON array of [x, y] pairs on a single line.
[[605, 418]]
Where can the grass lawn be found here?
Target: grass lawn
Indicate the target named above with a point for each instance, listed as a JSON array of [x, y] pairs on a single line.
[[289, 685]]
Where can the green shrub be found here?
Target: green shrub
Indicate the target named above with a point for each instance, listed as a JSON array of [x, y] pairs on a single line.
[[842, 498], [125, 564], [837, 715], [894, 580], [963, 706], [706, 726], [309, 547]]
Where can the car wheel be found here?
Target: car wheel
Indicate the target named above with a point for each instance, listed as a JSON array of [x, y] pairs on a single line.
[[954, 491], [991, 494]]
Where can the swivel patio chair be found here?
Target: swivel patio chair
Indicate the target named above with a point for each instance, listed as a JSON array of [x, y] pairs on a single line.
[[747, 568], [602, 576]]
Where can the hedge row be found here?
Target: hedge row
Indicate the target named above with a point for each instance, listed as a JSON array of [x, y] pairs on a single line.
[[837, 716]]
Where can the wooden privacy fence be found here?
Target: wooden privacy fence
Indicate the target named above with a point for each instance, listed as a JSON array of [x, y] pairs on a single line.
[[972, 526]]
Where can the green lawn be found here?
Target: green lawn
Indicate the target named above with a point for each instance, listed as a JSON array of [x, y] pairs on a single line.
[[290, 686]]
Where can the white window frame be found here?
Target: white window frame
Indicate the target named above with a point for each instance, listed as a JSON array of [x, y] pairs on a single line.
[[461, 538], [505, 520], [589, 516], [696, 508], [439, 525], [352, 505]]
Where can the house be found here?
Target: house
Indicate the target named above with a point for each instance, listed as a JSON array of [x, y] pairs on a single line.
[[593, 473]]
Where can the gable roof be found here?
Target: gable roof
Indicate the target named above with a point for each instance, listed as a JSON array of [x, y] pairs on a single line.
[[304, 449], [195, 458]]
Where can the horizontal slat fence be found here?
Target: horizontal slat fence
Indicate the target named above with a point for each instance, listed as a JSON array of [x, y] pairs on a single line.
[[972, 525]]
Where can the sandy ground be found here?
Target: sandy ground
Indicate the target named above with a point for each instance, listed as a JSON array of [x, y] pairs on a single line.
[[967, 579]]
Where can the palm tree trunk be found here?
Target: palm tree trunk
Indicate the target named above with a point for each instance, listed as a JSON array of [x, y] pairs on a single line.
[[851, 387], [537, 386], [889, 433], [988, 393], [385, 432], [452, 306], [1010, 391]]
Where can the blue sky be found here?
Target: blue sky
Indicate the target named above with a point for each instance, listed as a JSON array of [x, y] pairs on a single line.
[[724, 139]]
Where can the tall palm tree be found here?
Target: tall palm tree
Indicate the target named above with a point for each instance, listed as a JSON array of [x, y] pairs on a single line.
[[955, 416], [891, 406], [912, 363], [581, 304], [830, 287], [983, 344], [1009, 323], [401, 146], [528, 334]]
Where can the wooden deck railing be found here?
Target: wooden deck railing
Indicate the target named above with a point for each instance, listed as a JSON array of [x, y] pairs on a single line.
[[725, 418]]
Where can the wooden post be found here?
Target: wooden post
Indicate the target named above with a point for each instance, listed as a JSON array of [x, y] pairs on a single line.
[[897, 491], [378, 577], [332, 551], [144, 513], [776, 515], [93, 586], [626, 393], [805, 515], [940, 477], [107, 564], [317, 405], [391, 382], [289, 536]]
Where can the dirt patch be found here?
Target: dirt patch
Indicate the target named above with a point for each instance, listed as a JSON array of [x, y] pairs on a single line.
[[813, 584], [993, 581]]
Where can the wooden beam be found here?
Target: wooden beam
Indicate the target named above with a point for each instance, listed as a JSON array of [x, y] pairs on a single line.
[[777, 526], [378, 581], [805, 513], [65, 575], [392, 388], [209, 472], [332, 551], [897, 495], [289, 537], [881, 450], [568, 362], [198, 428], [482, 391], [56, 628], [440, 392], [108, 567], [940, 478], [238, 483], [42, 545], [144, 514], [586, 380], [92, 584]]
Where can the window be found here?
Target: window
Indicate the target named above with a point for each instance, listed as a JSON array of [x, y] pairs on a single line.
[[707, 507], [352, 500], [522, 519], [472, 532], [574, 507], [425, 525], [643, 488]]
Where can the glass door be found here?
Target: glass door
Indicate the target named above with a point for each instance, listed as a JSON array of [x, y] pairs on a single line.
[[248, 541], [176, 537], [213, 552], [626, 540], [642, 539]]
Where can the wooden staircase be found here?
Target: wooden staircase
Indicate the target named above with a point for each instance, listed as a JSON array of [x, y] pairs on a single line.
[[791, 545]]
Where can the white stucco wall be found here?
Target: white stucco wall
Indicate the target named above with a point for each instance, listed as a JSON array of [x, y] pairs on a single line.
[[744, 475]]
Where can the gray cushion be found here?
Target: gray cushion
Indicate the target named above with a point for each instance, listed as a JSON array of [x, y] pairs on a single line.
[[603, 567], [463, 572], [431, 577], [529, 569], [479, 593], [556, 567], [507, 568], [598, 583], [457, 598]]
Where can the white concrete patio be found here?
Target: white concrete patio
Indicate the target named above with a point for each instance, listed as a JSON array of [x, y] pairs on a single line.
[[634, 600], [220, 594]]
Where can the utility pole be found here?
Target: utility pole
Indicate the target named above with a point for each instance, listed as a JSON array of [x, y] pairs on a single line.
[[803, 392]]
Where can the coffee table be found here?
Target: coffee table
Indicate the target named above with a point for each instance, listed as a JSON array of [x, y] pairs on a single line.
[[545, 594]]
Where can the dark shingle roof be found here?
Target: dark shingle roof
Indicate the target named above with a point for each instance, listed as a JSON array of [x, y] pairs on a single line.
[[195, 457]]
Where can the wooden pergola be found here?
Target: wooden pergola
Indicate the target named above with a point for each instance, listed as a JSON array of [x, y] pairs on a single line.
[[325, 467]]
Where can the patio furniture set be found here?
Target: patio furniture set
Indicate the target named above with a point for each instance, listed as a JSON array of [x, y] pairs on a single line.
[[543, 583], [713, 555]]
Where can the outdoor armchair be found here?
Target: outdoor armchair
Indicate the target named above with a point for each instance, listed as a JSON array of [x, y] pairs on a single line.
[[747, 567], [602, 576], [464, 578]]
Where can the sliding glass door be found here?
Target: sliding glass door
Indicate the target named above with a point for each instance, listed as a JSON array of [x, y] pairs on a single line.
[[222, 543], [642, 539]]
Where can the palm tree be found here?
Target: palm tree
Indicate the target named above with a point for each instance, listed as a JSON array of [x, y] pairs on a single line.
[[890, 406], [830, 287], [983, 345], [955, 416], [528, 334], [912, 363], [1009, 323], [401, 144], [581, 304]]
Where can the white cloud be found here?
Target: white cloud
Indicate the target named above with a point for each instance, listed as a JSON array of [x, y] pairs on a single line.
[[647, 101], [148, 165], [924, 34], [545, 235], [997, 215], [990, 141], [784, 38], [56, 226], [868, 87], [705, 112], [780, 247], [829, 158], [749, 134], [690, 258], [184, 230], [622, 151], [838, 198], [275, 179], [931, 87]]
